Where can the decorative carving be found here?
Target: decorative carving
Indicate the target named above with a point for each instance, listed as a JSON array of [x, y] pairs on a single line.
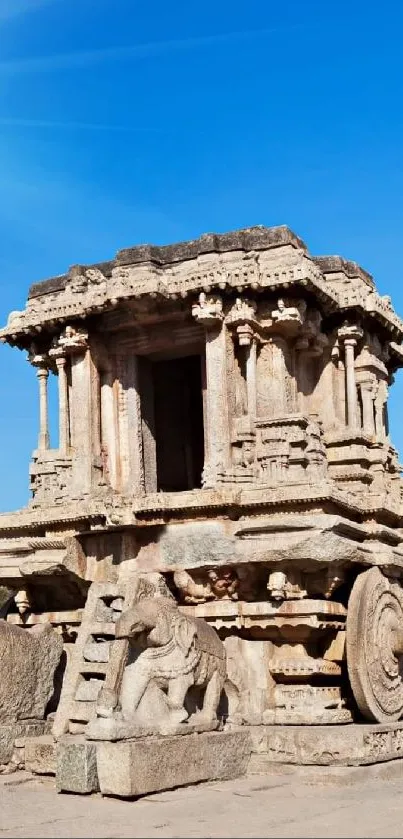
[[175, 654], [50, 477], [73, 339], [285, 586], [242, 316], [290, 448], [208, 311], [219, 583], [22, 600], [374, 645], [287, 314], [193, 588]]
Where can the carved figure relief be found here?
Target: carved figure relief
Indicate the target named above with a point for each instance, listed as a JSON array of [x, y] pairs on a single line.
[[170, 653]]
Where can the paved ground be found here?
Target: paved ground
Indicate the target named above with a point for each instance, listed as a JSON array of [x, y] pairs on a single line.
[[282, 805]]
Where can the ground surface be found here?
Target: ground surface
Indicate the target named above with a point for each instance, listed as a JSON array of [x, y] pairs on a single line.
[[298, 804]]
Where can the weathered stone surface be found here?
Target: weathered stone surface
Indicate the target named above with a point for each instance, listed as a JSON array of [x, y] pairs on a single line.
[[139, 767], [40, 755], [88, 690], [76, 766], [28, 661], [151, 687], [16, 734], [7, 737], [97, 652], [345, 745]]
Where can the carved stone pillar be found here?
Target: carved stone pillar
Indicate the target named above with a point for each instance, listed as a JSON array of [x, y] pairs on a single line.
[[85, 436], [64, 422], [209, 313], [109, 428], [64, 431], [381, 410], [242, 317], [350, 335], [351, 391], [130, 426], [367, 399], [40, 361], [251, 378], [43, 439]]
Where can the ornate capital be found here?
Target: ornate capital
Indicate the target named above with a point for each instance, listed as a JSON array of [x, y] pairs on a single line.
[[289, 314], [38, 359], [208, 311], [350, 335], [72, 340], [242, 316]]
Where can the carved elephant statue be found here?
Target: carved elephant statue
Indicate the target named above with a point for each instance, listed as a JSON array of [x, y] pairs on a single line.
[[179, 652]]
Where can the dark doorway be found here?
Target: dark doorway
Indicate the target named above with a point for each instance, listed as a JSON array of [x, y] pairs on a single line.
[[178, 406]]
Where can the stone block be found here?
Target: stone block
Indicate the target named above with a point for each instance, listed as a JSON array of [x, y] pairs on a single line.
[[29, 658], [335, 745], [132, 768], [15, 734], [40, 755], [76, 766], [7, 737]]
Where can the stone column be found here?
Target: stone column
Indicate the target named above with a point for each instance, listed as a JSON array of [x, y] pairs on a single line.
[[367, 398], [64, 429], [43, 439], [350, 335], [130, 426], [209, 313], [109, 427], [251, 378], [381, 400], [351, 390], [242, 317]]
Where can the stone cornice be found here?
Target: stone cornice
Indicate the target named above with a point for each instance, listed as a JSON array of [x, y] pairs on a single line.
[[255, 260], [95, 515]]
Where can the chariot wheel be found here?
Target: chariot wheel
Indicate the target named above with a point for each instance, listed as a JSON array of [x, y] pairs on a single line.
[[374, 646]]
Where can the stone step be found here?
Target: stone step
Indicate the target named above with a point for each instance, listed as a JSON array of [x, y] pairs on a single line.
[[82, 711], [88, 690], [94, 651]]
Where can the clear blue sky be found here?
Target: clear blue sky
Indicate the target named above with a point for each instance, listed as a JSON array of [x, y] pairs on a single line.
[[124, 122]]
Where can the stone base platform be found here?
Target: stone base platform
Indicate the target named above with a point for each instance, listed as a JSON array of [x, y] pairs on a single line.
[[131, 768], [322, 745]]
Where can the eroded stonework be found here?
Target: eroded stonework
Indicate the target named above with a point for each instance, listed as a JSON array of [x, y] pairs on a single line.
[[223, 448]]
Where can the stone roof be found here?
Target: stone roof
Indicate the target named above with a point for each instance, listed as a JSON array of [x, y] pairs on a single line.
[[259, 258], [247, 239]]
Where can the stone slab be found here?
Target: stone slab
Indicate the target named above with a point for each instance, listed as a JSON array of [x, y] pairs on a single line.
[[133, 768], [339, 776], [336, 745], [40, 755], [76, 766], [9, 732]]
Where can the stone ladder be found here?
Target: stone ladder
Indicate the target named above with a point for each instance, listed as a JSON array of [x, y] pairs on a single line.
[[88, 663]]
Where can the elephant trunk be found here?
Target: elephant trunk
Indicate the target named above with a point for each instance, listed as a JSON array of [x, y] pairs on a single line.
[[128, 625]]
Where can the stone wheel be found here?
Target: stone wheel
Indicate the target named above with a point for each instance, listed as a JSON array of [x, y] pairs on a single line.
[[374, 644]]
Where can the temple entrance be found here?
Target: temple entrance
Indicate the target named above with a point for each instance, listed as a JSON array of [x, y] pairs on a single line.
[[178, 423]]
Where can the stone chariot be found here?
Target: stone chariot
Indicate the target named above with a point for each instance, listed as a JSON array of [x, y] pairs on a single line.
[[216, 534]]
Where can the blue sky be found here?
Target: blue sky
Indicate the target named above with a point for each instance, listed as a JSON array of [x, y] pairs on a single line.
[[124, 122]]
